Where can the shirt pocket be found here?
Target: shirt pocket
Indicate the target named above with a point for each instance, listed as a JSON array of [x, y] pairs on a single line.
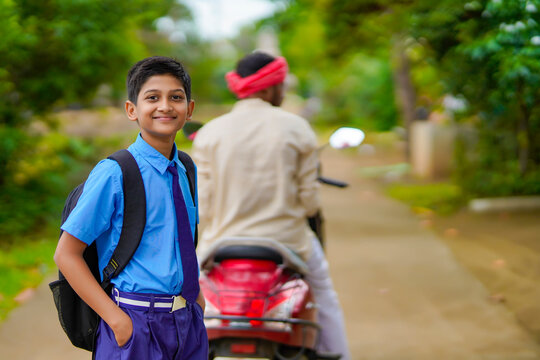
[[192, 215]]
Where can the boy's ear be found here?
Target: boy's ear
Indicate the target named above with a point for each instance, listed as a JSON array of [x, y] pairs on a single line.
[[191, 107], [131, 111]]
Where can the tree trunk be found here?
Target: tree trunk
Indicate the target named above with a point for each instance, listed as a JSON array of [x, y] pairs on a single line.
[[404, 89], [524, 138]]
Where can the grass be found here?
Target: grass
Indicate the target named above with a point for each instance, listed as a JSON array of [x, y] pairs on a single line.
[[24, 265], [442, 198]]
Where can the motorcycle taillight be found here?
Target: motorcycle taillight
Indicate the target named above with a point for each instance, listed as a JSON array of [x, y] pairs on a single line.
[[256, 309]]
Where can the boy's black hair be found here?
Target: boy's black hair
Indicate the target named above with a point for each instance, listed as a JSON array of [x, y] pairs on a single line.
[[155, 65], [251, 63]]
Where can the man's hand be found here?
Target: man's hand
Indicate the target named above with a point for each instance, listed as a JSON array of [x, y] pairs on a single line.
[[200, 300]]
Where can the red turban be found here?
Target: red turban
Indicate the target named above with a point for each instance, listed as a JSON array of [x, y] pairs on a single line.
[[271, 74]]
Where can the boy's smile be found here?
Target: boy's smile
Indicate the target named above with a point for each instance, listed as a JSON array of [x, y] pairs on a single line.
[[161, 110]]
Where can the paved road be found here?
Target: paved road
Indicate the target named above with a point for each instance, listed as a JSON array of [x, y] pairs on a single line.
[[32, 332], [404, 294]]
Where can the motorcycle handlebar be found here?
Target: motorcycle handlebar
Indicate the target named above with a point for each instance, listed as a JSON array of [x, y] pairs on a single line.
[[332, 182]]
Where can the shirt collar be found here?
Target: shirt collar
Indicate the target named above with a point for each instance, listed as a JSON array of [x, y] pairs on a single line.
[[250, 103], [154, 157]]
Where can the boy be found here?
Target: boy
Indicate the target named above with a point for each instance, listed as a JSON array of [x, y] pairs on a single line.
[[258, 177], [138, 320]]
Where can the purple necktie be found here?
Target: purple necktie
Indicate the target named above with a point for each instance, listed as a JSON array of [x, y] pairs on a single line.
[[190, 288]]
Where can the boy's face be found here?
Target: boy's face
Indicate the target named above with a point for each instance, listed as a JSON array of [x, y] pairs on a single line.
[[162, 108]]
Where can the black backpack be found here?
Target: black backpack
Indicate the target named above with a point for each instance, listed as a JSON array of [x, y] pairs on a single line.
[[79, 320]]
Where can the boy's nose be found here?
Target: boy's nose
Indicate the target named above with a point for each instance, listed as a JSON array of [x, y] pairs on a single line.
[[164, 105]]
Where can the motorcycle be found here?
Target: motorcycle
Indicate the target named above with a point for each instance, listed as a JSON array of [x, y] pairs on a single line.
[[258, 305], [257, 302]]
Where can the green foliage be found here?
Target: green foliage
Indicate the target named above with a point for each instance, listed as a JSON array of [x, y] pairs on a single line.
[[22, 266], [205, 61], [54, 53], [306, 58], [207, 69], [443, 198], [507, 180], [60, 51], [360, 94], [485, 51], [494, 40], [486, 166], [354, 88], [363, 24], [37, 181], [488, 52]]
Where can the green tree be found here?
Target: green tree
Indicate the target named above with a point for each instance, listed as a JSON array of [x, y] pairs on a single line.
[[60, 51], [354, 83], [53, 53], [378, 27], [485, 51], [488, 52]]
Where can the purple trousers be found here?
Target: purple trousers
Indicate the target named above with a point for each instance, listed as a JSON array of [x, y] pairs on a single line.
[[157, 335]]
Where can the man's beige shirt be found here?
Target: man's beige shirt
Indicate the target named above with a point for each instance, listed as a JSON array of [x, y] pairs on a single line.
[[257, 176]]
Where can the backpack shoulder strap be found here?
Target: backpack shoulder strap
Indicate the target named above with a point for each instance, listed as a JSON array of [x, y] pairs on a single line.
[[134, 215], [190, 169], [70, 203]]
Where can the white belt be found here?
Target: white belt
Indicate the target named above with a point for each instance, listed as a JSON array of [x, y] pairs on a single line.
[[173, 303]]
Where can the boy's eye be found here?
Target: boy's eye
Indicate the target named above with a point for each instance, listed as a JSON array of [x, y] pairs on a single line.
[[177, 97], [152, 97]]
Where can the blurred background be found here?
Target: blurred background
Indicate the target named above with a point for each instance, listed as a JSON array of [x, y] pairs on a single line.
[[447, 92]]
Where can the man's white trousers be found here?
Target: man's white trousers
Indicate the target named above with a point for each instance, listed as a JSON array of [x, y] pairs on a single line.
[[333, 338]]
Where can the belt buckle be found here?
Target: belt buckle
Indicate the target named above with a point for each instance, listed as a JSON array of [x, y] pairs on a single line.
[[116, 295], [178, 303]]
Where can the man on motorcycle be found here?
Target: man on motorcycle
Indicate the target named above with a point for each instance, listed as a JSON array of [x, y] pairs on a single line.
[[257, 175]]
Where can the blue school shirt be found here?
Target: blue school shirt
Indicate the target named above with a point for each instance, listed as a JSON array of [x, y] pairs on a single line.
[[156, 265]]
